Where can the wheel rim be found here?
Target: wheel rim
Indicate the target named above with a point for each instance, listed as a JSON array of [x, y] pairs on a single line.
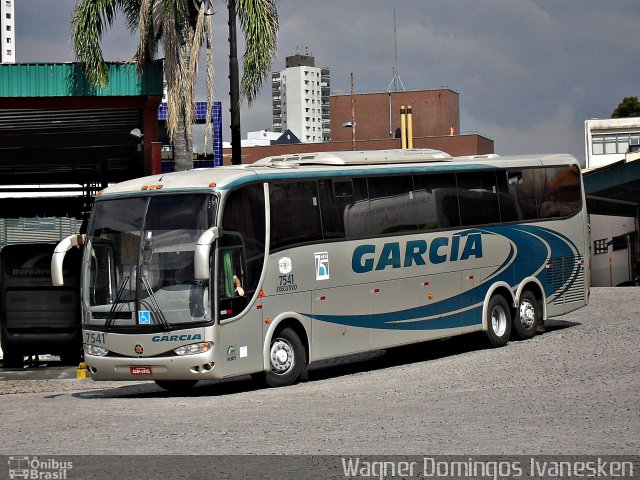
[[281, 357], [527, 314], [498, 321]]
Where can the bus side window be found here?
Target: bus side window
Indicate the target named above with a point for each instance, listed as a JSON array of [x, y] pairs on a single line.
[[562, 195], [524, 184], [355, 212], [509, 211], [244, 214], [437, 199], [231, 278], [478, 197], [232, 273], [295, 214], [392, 205], [335, 195]]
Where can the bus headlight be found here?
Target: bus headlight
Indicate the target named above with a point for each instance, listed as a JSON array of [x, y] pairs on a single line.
[[95, 350], [193, 348]]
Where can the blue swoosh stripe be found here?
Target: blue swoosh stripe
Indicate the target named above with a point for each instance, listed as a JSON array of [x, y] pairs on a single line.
[[453, 312]]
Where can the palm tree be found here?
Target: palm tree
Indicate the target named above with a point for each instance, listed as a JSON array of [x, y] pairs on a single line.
[[182, 28]]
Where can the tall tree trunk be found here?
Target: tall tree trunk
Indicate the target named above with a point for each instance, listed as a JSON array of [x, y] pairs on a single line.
[[182, 143], [182, 151]]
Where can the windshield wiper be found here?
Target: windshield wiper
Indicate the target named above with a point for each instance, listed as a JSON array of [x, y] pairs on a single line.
[[114, 305], [154, 304]]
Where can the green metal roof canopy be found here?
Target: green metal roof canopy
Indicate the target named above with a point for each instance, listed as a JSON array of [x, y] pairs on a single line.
[[55, 128], [67, 79]]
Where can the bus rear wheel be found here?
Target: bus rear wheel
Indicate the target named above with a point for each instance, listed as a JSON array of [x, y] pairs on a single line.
[[176, 386], [498, 321], [286, 359], [12, 359], [528, 315]]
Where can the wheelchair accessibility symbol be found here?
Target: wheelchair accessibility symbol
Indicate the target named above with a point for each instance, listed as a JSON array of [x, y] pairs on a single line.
[[144, 317]]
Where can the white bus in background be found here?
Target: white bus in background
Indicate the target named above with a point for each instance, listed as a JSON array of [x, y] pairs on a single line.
[[266, 268]]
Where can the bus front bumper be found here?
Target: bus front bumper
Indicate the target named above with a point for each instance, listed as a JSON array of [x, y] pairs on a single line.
[[188, 367]]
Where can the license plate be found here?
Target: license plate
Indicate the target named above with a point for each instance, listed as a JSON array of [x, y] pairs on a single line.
[[140, 370]]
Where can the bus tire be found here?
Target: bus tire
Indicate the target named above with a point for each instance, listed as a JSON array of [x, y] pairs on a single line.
[[287, 359], [498, 321], [527, 317], [176, 386], [12, 359]]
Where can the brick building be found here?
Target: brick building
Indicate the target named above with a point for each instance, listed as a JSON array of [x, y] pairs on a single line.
[[435, 119], [377, 115]]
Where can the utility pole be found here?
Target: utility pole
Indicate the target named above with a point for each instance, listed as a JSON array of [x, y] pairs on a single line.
[[395, 80], [234, 87], [353, 116]]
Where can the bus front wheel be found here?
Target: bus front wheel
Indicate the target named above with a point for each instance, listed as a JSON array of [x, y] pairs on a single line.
[[528, 315], [499, 321], [286, 359]]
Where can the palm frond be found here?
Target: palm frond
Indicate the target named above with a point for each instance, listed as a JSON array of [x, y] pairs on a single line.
[[259, 22], [146, 40], [131, 10], [88, 23]]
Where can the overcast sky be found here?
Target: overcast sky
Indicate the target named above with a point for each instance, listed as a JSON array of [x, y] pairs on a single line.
[[529, 72]]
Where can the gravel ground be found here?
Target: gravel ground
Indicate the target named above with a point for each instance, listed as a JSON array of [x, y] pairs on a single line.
[[572, 390]]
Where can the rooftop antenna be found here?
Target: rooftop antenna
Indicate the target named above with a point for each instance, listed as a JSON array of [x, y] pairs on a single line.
[[395, 80]]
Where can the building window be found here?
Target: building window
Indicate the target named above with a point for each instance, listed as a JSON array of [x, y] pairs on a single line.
[[8, 28], [610, 143], [8, 52], [597, 144], [8, 39], [600, 246]]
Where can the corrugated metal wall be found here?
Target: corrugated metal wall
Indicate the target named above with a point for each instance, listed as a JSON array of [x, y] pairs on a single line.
[[36, 230], [64, 79]]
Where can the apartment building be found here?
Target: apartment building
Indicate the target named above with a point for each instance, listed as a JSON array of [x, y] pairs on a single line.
[[300, 95], [7, 30]]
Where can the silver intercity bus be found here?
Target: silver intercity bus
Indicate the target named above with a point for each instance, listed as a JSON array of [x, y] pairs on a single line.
[[265, 268]]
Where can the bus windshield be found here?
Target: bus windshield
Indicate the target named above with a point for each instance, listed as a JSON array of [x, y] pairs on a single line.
[[138, 268]]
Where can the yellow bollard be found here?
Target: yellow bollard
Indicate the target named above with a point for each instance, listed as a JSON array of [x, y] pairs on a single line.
[[409, 127], [81, 372], [403, 127]]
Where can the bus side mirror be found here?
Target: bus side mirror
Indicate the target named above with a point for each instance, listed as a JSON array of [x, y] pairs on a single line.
[[57, 276], [202, 252]]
